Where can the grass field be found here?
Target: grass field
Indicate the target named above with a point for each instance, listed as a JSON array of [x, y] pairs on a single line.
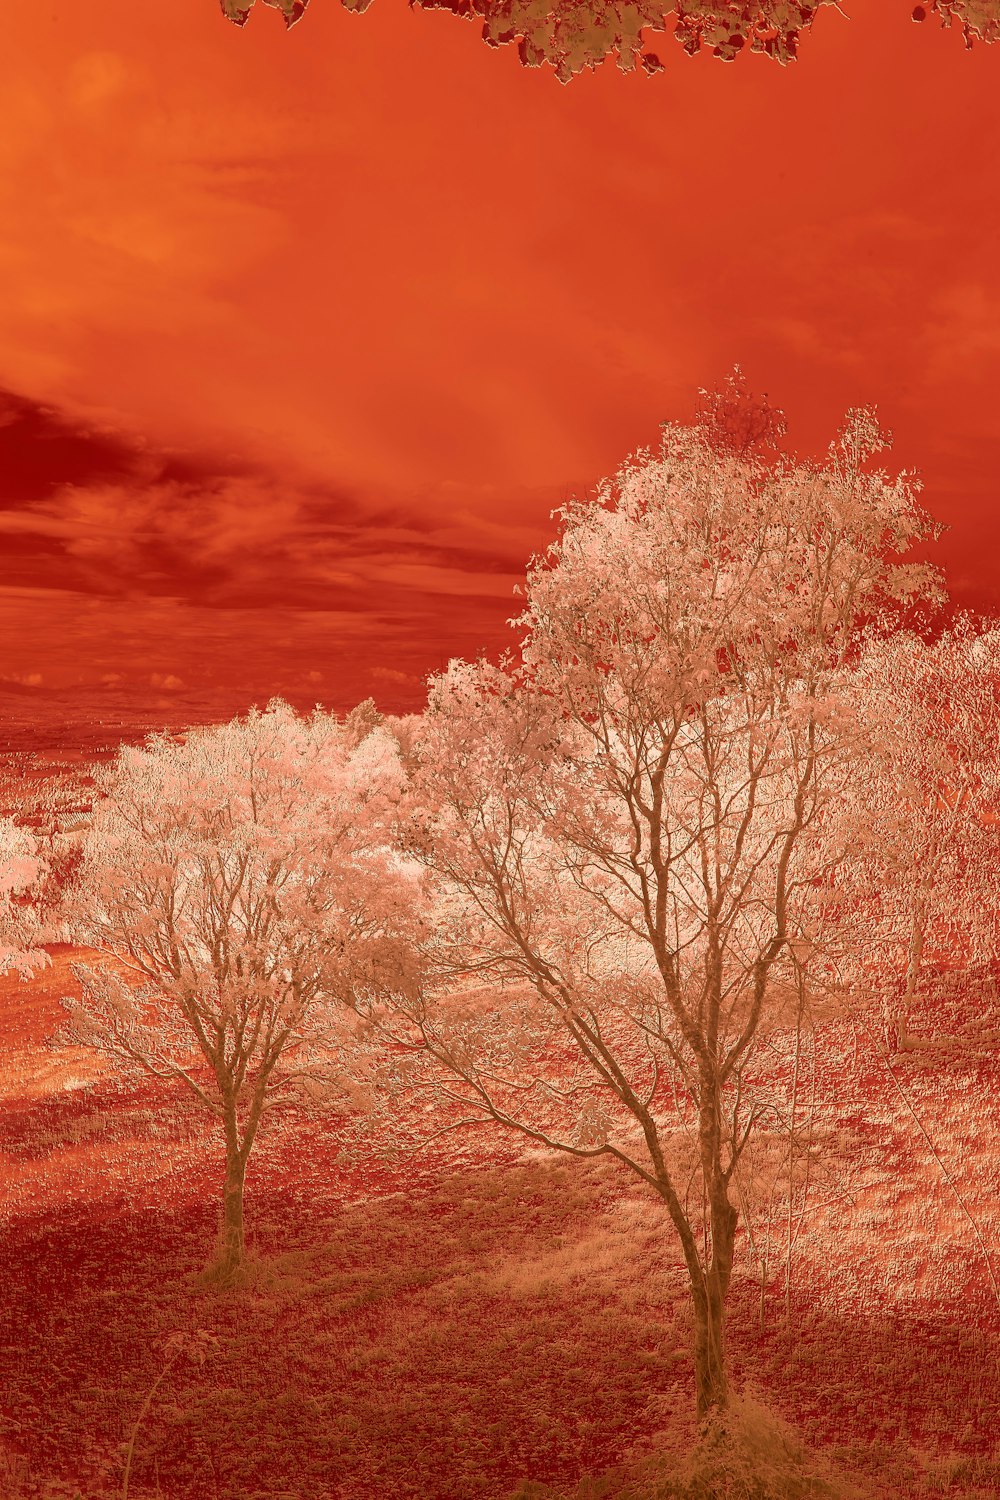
[[477, 1320]]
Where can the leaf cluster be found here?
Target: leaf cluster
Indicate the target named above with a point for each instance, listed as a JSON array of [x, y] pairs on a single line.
[[572, 36]]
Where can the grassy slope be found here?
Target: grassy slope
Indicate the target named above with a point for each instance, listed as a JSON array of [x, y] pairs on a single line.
[[455, 1324]]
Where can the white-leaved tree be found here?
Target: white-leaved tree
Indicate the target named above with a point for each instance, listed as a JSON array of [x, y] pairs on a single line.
[[625, 827], [240, 885]]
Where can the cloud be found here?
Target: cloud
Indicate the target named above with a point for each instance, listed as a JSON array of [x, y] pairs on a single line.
[[961, 339], [391, 674], [300, 385], [222, 535], [226, 658], [189, 528]]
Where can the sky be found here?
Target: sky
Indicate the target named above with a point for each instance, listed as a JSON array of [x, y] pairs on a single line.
[[305, 334]]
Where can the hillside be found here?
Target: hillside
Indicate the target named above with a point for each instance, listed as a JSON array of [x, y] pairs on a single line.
[[464, 1320]]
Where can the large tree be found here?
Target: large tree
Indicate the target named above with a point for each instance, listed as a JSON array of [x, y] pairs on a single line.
[[238, 881], [627, 826], [572, 35]]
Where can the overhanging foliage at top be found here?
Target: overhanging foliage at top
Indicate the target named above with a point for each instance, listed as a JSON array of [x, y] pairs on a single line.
[[572, 35]]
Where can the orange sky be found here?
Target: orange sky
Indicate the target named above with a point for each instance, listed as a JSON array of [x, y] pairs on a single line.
[[322, 324]]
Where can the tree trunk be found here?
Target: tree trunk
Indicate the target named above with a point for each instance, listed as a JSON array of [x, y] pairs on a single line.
[[709, 1292], [232, 1244], [231, 1256], [710, 1287], [710, 1366]]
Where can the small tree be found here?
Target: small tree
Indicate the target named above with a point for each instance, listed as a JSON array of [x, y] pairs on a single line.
[[238, 879], [625, 827]]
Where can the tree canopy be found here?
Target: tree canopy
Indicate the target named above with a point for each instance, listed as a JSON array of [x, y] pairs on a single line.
[[572, 35], [240, 882], [627, 828]]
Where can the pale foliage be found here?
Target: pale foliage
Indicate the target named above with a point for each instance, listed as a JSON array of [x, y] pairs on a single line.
[[922, 810], [21, 868], [241, 883], [627, 829], [240, 877]]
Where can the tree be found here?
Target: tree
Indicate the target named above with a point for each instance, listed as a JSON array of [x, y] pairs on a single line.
[[572, 35], [624, 824], [21, 871], [924, 805], [238, 879]]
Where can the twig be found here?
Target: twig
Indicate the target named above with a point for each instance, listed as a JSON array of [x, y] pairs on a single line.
[[142, 1412]]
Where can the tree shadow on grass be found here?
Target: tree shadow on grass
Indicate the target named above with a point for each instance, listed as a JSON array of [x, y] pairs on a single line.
[[501, 1325]]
